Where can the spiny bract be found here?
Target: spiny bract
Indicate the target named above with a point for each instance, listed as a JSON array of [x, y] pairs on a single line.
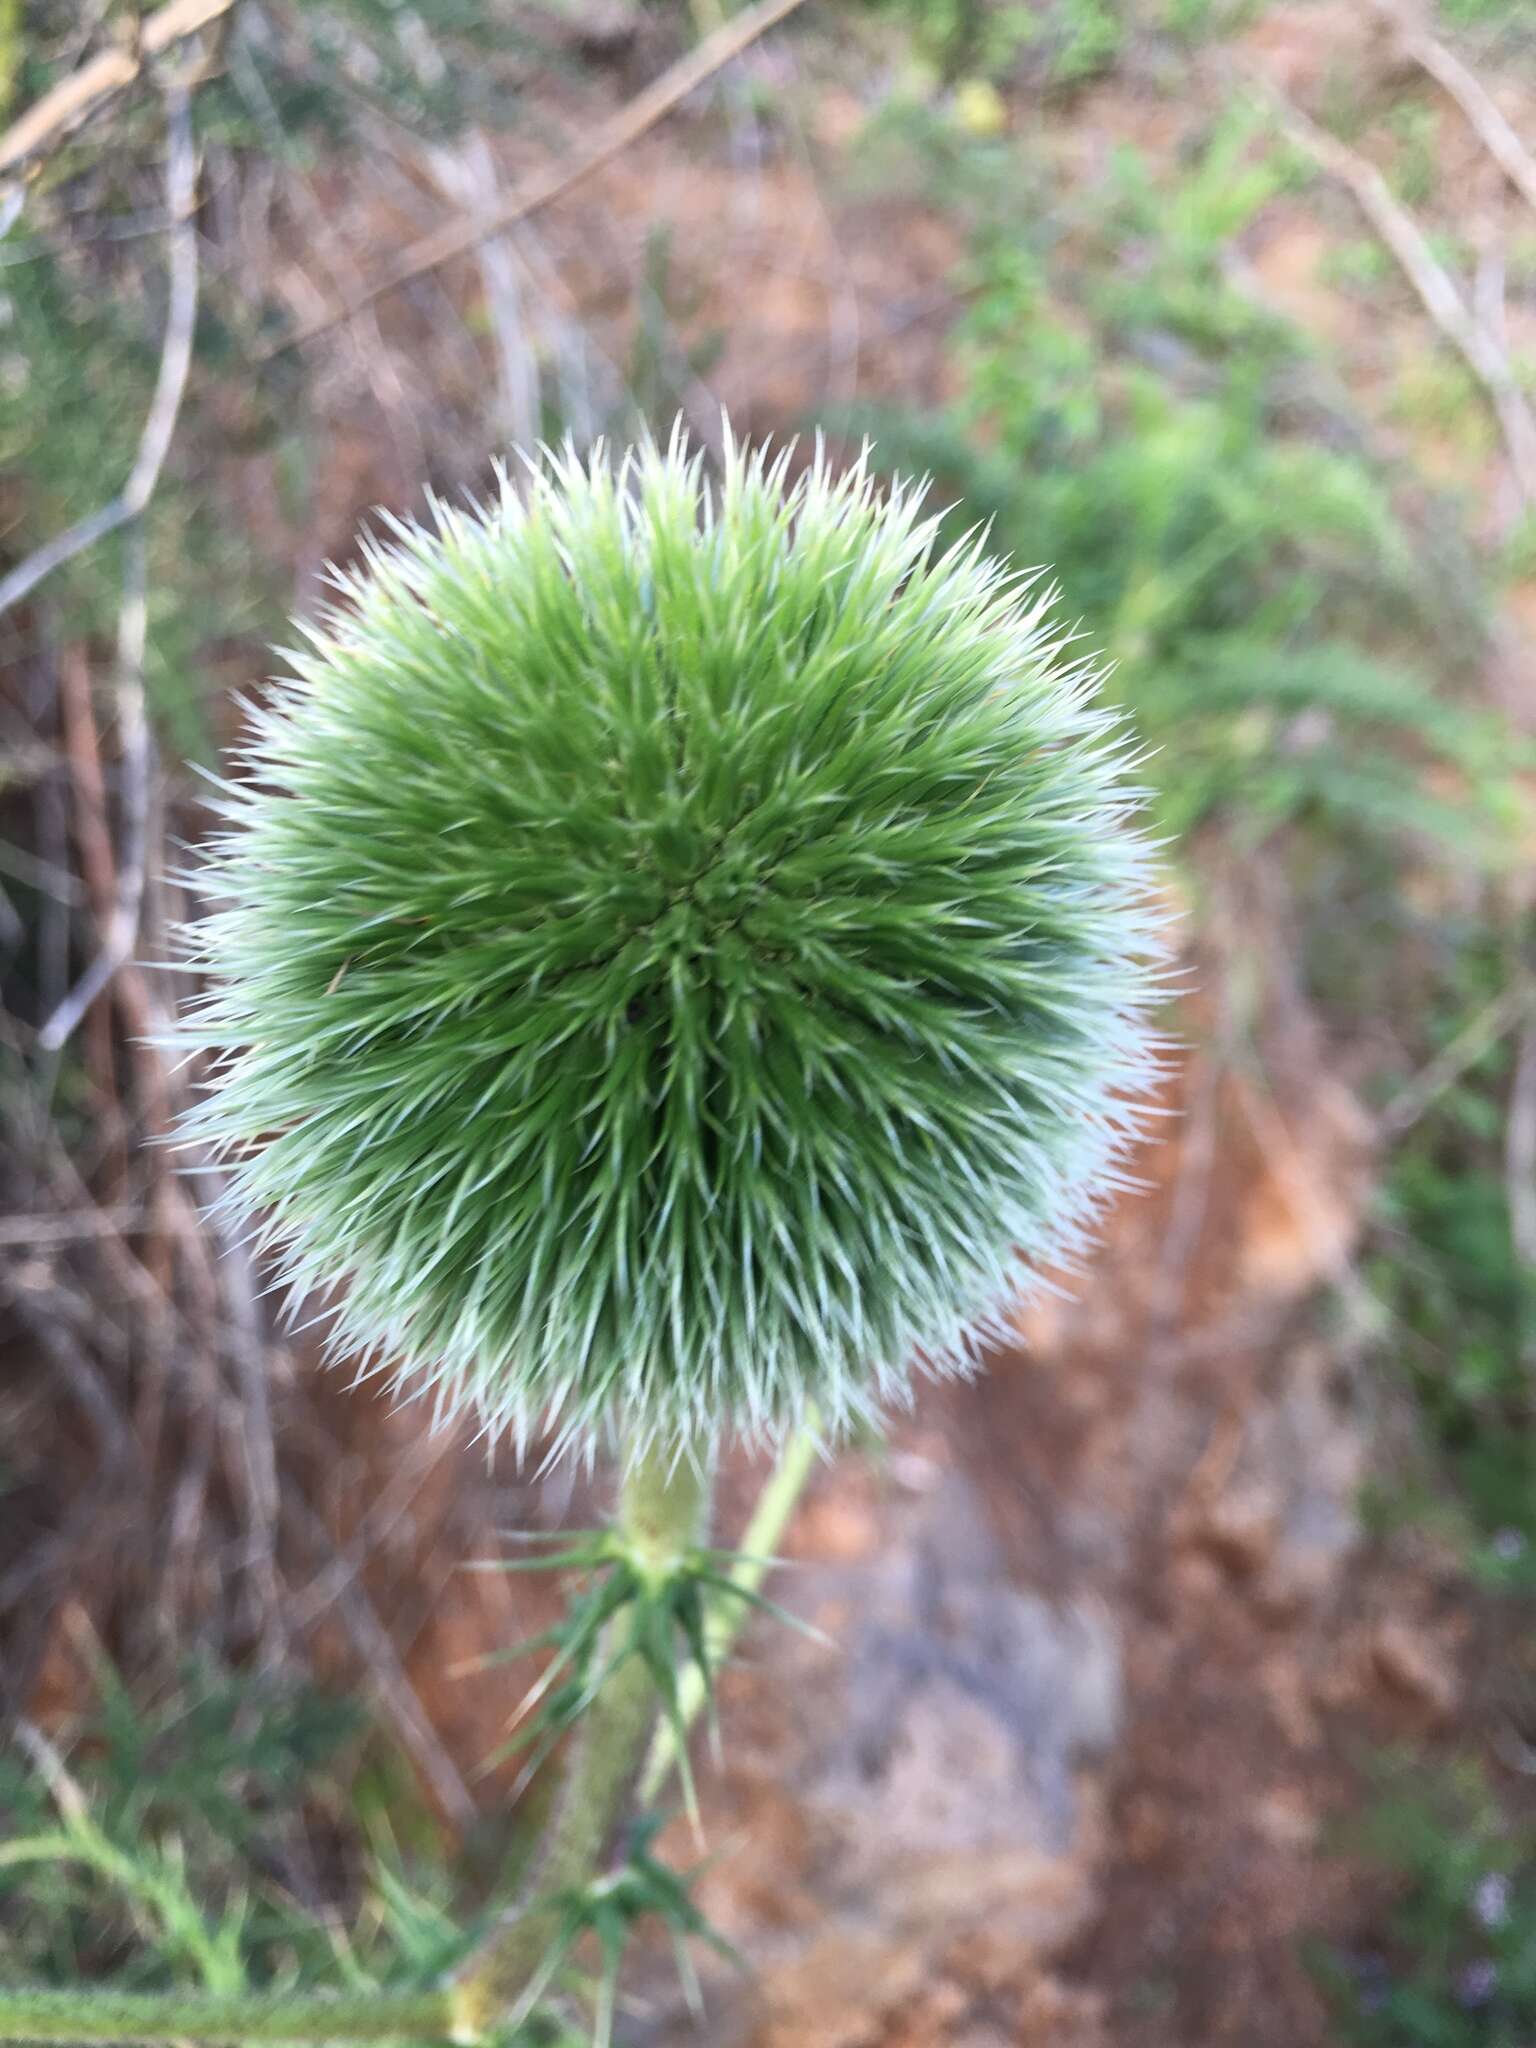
[[679, 951]]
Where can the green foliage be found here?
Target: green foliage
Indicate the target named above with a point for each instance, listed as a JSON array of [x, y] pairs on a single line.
[[1158, 248], [1494, 13], [1361, 266], [1457, 1968], [1197, 21], [435, 70], [677, 951], [661, 365], [1463, 1306], [12, 51], [1067, 42], [225, 1842], [202, 1841], [964, 37], [1091, 32], [1126, 415], [1436, 390], [608, 1910], [1415, 170]]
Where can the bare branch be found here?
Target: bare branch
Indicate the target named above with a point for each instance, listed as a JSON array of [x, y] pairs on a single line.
[[1437, 290], [170, 383], [137, 760], [459, 237], [252, 1440], [1474, 100], [469, 174], [372, 1642], [43, 875], [62, 1230], [44, 1311], [136, 740], [51, 1768], [1454, 1060], [79, 95]]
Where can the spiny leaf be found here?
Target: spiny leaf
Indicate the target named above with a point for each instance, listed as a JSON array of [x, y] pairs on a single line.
[[611, 1907]]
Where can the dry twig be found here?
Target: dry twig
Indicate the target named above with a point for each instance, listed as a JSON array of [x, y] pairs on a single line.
[[469, 174], [137, 765], [459, 237], [60, 1230], [331, 252], [134, 733], [1436, 289], [74, 98], [1473, 98], [170, 383], [374, 1646], [1452, 1061], [93, 840]]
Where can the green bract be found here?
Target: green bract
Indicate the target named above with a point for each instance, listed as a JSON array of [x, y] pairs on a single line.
[[680, 951]]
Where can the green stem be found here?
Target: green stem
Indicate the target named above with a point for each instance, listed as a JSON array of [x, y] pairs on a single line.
[[662, 1505], [775, 1504], [132, 2016]]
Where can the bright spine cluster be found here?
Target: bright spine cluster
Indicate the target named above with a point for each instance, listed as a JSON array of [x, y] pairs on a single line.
[[679, 950]]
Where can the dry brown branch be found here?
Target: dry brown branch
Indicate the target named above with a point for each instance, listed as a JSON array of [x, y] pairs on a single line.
[[458, 237], [74, 98], [61, 1230], [1473, 98], [373, 1644], [166, 1215], [1190, 1206], [1436, 289], [469, 175], [93, 839], [61, 1182], [37, 1302], [1489, 305], [331, 253], [307, 1604], [50, 1766], [87, 782], [252, 1443], [122, 927], [47, 877]]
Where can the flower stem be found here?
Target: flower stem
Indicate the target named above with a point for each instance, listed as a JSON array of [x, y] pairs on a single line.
[[146, 2016], [662, 1504], [770, 1516]]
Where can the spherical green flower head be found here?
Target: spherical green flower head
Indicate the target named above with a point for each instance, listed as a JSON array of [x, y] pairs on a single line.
[[680, 951]]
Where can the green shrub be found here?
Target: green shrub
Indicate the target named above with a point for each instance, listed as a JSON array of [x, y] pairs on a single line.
[[1461, 1304], [211, 1837], [1275, 628], [1456, 1966]]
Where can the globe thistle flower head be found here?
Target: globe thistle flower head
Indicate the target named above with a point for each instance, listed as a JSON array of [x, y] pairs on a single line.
[[679, 951]]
